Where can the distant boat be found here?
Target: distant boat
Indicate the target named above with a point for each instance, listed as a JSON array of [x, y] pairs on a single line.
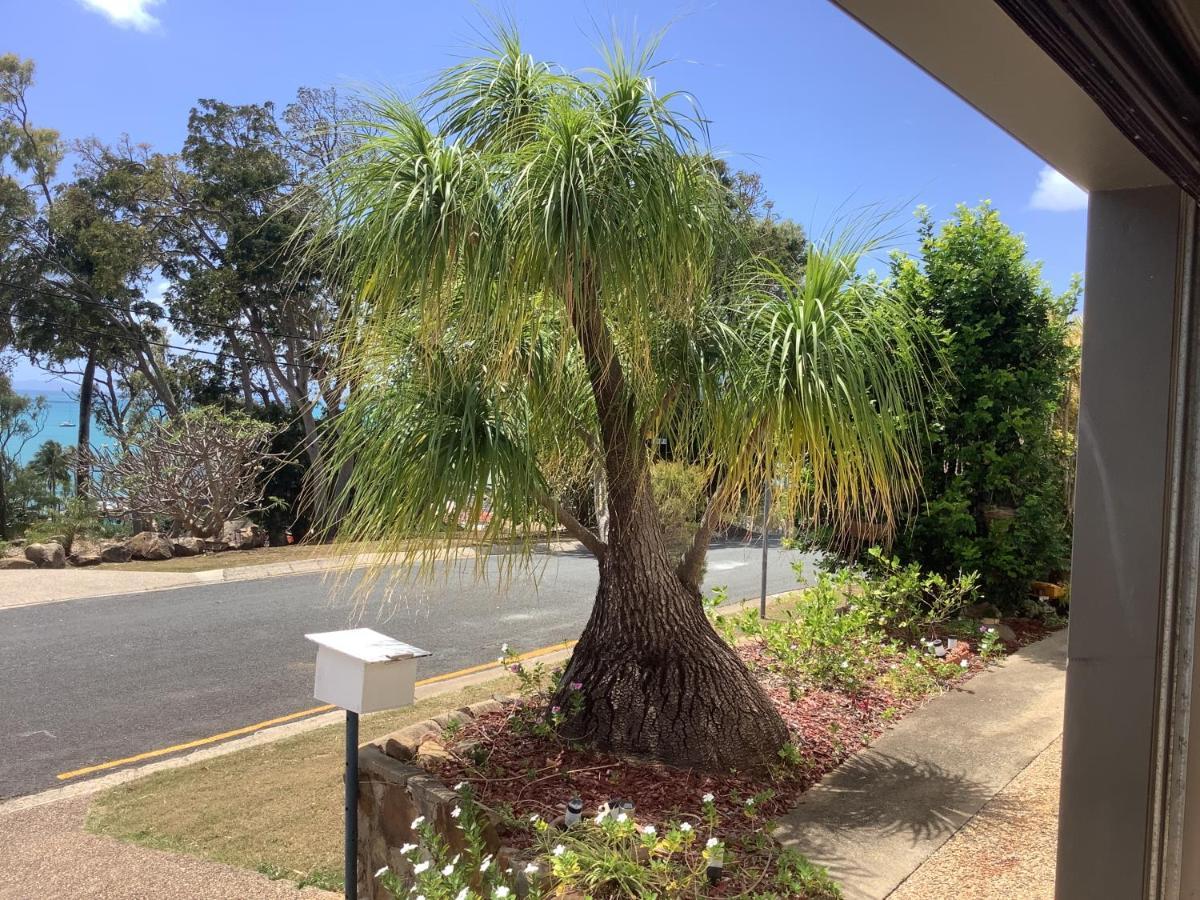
[[66, 424]]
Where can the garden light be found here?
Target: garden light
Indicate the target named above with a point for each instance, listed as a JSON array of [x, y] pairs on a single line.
[[716, 863], [574, 812]]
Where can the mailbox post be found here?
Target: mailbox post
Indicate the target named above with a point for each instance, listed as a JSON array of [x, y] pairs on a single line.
[[361, 671]]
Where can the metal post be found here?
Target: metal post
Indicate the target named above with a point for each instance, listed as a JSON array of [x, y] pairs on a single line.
[[762, 602], [351, 854]]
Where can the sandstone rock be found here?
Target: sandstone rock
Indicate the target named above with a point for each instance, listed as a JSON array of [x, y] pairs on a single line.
[[46, 556], [85, 558], [242, 534], [149, 545], [432, 748], [212, 546], [403, 744], [1005, 633], [187, 546], [116, 553], [17, 562]]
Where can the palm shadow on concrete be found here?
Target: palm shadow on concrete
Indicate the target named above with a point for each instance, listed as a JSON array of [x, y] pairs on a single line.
[[873, 797]]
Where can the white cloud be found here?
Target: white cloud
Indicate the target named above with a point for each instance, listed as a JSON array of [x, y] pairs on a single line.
[[126, 13], [1055, 194]]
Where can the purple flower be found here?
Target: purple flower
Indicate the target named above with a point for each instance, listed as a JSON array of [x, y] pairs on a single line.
[[555, 710], [577, 685], [517, 668]]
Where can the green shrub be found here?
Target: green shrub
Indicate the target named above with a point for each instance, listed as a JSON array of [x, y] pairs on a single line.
[[909, 602], [679, 494], [997, 472]]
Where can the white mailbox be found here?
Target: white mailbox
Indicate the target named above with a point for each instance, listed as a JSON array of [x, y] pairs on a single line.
[[364, 671]]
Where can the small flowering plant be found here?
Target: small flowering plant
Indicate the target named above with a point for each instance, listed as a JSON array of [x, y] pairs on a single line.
[[437, 871], [612, 856], [538, 686]]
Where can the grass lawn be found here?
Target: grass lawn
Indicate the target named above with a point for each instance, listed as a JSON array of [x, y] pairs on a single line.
[[276, 808]]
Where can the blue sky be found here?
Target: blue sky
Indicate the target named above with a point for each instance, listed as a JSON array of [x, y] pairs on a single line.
[[827, 113]]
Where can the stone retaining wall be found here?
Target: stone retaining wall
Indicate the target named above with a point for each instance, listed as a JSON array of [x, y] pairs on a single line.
[[393, 790]]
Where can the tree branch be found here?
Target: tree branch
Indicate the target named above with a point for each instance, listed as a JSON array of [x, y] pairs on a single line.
[[572, 525]]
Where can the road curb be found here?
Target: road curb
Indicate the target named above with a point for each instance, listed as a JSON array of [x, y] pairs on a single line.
[[435, 686]]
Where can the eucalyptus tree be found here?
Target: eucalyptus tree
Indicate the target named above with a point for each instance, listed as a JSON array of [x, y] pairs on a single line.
[[529, 259]]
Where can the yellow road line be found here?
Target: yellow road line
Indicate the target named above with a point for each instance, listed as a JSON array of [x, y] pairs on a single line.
[[280, 720]]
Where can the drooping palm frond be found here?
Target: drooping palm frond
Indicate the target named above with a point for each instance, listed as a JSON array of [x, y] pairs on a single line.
[[520, 234]]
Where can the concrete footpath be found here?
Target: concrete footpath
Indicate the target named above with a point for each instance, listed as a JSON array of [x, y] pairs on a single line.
[[28, 587], [878, 818]]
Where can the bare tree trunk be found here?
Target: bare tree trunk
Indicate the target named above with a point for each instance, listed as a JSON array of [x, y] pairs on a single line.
[[83, 446], [657, 680]]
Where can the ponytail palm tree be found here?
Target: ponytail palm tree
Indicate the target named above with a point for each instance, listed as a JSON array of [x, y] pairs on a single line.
[[529, 257]]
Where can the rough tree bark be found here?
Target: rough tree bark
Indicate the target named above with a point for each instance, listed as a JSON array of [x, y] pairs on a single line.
[[657, 680], [83, 445]]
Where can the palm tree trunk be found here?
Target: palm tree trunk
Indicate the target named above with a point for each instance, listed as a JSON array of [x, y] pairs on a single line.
[[657, 680], [83, 462]]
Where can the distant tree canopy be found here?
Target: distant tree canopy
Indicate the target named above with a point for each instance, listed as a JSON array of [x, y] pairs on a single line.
[[996, 472]]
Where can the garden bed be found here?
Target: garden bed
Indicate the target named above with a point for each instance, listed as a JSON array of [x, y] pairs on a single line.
[[512, 762]]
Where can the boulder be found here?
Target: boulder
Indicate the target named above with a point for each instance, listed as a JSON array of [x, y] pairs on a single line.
[[242, 534], [216, 546], [149, 545], [47, 556], [1005, 633], [116, 553], [187, 546], [85, 558], [17, 562]]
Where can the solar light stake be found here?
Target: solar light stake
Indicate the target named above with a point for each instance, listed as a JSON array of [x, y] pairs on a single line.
[[762, 602], [351, 862], [574, 812]]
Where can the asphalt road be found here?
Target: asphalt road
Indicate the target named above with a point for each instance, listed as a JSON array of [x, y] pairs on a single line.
[[86, 681]]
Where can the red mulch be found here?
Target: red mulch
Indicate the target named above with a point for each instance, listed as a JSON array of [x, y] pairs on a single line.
[[533, 774]]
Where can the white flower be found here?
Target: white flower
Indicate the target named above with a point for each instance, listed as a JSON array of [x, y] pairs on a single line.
[[502, 891], [845, 663], [419, 897], [711, 842], [460, 785], [599, 818], [991, 630], [534, 817], [622, 818], [504, 648], [462, 895], [421, 867], [407, 849], [499, 659], [559, 850], [418, 822], [448, 870], [707, 798], [649, 829], [456, 812], [750, 801], [531, 869], [486, 864], [379, 874], [965, 664], [457, 857], [685, 826]]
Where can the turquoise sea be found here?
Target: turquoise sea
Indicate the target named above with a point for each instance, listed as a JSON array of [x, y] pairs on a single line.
[[61, 424]]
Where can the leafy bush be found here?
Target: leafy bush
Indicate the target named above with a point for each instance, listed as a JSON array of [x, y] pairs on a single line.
[[910, 602], [996, 473], [679, 493], [78, 518]]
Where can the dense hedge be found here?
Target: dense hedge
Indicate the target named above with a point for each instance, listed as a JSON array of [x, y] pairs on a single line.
[[996, 472]]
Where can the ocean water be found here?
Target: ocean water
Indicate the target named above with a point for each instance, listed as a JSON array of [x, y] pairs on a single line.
[[61, 424]]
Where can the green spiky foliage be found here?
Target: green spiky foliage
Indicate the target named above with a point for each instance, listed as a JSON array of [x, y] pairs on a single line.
[[530, 258]]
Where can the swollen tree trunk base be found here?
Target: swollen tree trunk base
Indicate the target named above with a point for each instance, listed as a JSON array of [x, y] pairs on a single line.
[[659, 682]]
